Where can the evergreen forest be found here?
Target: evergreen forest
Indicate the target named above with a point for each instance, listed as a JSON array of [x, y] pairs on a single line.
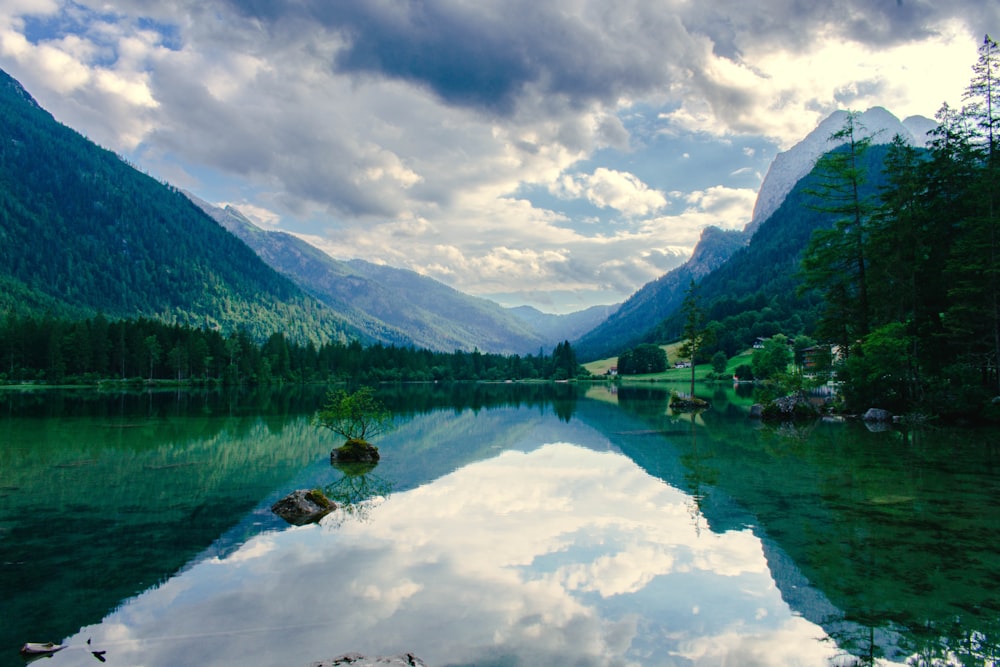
[[95, 350]]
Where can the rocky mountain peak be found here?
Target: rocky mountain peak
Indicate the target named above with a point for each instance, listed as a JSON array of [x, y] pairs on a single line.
[[790, 166]]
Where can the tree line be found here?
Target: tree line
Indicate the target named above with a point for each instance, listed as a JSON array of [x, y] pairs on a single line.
[[910, 280], [53, 350]]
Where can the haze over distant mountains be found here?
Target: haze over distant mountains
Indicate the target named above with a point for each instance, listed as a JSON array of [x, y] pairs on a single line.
[[401, 307]]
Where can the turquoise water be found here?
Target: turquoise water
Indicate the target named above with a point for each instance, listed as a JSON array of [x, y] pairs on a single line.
[[504, 526]]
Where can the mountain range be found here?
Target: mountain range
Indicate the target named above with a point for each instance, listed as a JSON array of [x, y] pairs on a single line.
[[401, 307], [83, 232]]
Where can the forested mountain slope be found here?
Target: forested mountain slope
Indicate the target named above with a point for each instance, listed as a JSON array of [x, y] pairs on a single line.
[[756, 292], [393, 306], [658, 299], [662, 298], [83, 232]]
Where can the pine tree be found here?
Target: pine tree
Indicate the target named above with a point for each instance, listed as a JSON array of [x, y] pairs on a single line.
[[974, 265], [696, 334], [836, 260]]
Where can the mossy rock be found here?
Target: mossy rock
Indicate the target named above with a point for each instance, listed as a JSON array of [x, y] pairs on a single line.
[[791, 408], [693, 404], [355, 451], [303, 506]]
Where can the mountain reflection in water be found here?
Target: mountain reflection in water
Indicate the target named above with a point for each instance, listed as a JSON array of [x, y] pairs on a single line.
[[506, 525], [561, 555]]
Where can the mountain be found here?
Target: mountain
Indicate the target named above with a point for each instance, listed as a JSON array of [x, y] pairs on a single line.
[[392, 306], [83, 232], [560, 328], [658, 299], [789, 167], [755, 293], [661, 298]]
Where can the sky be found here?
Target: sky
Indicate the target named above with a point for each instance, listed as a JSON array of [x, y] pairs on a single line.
[[554, 153]]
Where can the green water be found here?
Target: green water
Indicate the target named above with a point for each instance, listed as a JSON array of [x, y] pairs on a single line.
[[514, 525]]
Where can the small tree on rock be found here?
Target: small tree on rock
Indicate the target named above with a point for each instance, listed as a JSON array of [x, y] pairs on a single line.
[[356, 416]]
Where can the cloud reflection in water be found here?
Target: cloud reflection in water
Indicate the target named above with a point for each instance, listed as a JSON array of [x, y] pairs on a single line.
[[562, 555]]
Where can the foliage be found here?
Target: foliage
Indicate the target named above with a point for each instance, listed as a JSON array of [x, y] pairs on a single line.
[[643, 359], [629, 324], [772, 359], [883, 372], [356, 416], [696, 335], [54, 350], [837, 258], [757, 294], [931, 255], [719, 362], [85, 233]]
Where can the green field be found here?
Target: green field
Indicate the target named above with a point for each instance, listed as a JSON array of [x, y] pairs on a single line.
[[601, 366]]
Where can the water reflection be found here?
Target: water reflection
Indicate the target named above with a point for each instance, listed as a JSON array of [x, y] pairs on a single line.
[[561, 555], [890, 535], [485, 541]]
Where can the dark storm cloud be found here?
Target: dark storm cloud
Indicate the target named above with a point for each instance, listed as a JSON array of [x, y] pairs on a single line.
[[487, 54]]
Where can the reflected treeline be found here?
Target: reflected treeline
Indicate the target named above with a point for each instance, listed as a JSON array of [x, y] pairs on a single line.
[[95, 510], [159, 403], [291, 400], [420, 398], [897, 529], [356, 491], [130, 486]]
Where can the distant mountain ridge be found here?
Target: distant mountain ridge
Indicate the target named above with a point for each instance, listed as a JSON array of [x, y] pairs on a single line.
[[82, 232], [401, 307], [658, 299]]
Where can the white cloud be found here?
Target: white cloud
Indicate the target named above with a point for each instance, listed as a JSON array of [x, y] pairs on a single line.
[[608, 188], [411, 139]]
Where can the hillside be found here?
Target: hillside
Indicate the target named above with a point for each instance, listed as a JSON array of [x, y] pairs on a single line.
[[658, 299], [83, 232], [755, 293], [392, 306]]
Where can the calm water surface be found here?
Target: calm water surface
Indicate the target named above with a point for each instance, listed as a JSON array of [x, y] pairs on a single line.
[[504, 526]]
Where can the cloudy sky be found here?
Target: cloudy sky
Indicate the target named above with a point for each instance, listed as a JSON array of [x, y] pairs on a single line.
[[556, 153]]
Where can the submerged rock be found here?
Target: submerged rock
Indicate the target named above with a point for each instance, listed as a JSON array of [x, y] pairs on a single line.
[[358, 660], [303, 506]]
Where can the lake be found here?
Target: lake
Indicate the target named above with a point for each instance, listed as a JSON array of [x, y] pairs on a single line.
[[505, 525]]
